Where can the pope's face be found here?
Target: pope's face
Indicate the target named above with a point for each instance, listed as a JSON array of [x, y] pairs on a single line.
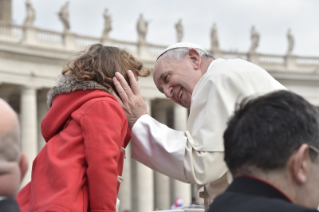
[[176, 79]]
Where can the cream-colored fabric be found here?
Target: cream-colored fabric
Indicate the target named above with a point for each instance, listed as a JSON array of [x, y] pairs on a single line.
[[196, 156], [159, 147]]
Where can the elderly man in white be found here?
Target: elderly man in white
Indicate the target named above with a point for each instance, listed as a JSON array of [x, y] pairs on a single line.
[[210, 88]]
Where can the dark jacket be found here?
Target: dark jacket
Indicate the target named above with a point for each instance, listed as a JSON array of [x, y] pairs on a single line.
[[9, 205], [247, 194]]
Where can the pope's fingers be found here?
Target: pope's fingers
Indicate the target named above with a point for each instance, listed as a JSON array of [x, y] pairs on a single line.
[[120, 90], [134, 85], [125, 87], [118, 99]]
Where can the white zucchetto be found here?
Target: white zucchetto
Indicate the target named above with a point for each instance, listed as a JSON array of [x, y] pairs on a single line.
[[181, 45]]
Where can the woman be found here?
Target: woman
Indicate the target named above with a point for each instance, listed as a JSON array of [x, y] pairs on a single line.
[[86, 130]]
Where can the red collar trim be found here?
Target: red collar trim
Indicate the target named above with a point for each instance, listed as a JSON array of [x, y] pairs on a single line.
[[253, 177]]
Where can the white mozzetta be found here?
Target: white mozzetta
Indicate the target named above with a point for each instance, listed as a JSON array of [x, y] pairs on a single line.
[[198, 158]]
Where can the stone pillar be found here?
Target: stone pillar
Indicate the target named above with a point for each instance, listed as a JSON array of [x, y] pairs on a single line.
[[253, 58], [195, 194], [69, 41], [28, 114], [143, 183], [125, 189], [143, 50], [181, 189], [290, 62], [29, 35], [42, 110], [217, 54], [161, 182], [107, 42]]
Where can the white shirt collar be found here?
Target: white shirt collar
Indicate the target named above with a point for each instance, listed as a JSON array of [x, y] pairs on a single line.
[[3, 198]]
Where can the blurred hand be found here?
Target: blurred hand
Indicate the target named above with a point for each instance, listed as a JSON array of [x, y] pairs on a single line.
[[130, 97]]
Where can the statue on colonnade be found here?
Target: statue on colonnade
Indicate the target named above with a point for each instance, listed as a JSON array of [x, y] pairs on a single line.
[[141, 27], [291, 42], [254, 37], [179, 30], [214, 39], [64, 17], [28, 21], [107, 24]]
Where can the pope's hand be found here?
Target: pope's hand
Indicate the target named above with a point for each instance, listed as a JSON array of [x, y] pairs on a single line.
[[130, 97]]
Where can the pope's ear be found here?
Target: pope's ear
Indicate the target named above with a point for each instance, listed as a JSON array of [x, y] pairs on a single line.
[[23, 165], [195, 58], [300, 163]]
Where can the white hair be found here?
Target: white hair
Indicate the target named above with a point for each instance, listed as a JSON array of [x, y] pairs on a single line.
[[180, 53]]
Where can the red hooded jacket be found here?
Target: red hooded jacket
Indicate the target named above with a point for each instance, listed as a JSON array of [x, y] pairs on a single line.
[[78, 168]]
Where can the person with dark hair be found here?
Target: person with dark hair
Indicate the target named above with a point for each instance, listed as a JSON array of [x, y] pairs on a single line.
[[86, 130], [13, 163], [271, 149]]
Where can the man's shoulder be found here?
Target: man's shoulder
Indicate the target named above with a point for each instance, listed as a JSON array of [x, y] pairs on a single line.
[[235, 201]]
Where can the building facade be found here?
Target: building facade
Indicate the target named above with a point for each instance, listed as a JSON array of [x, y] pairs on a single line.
[[31, 59]]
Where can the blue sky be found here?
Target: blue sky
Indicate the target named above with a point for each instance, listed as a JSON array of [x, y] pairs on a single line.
[[234, 19]]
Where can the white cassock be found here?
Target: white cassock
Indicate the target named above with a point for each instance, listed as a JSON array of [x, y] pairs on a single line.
[[197, 155]]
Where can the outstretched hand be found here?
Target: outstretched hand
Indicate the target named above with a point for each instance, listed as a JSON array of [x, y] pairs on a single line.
[[130, 97]]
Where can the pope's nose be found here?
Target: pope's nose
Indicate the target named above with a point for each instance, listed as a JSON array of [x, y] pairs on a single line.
[[168, 92]]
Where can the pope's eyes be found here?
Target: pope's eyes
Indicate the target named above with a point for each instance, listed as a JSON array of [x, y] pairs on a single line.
[[166, 78]]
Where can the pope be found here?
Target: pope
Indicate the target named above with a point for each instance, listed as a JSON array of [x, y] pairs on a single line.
[[210, 88]]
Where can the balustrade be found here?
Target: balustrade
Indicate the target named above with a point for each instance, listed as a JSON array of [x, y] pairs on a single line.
[[12, 33], [49, 37], [233, 55], [307, 62], [69, 41], [83, 41], [128, 46]]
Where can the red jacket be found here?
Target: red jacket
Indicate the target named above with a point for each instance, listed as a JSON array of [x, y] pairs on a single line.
[[78, 168]]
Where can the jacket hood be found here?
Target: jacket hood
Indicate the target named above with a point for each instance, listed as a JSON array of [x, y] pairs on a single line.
[[64, 98], [68, 83]]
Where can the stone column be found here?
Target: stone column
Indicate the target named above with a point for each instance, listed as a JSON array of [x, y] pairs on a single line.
[[28, 115], [42, 110], [290, 62], [142, 183], [125, 190], [196, 193], [69, 40], [29, 35], [181, 189], [143, 50], [253, 57], [161, 182]]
